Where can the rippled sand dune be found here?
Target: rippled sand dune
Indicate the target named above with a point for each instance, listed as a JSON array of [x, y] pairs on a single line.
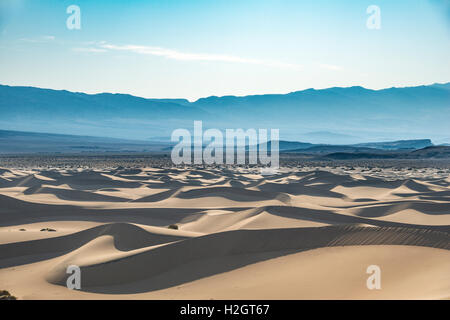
[[225, 233]]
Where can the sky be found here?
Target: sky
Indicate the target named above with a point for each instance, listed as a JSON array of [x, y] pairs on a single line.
[[198, 48]]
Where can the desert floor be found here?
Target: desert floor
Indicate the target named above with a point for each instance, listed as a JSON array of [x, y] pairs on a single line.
[[304, 233]]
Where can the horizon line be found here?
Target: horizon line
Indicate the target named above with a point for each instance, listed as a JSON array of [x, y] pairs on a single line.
[[223, 96]]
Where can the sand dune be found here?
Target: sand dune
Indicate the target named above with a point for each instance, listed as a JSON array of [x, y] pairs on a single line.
[[302, 233], [250, 243]]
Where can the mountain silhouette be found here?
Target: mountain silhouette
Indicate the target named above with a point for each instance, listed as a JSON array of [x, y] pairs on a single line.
[[354, 113]]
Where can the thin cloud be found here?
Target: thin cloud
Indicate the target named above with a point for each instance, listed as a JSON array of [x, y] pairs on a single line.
[[41, 39], [185, 56], [331, 67]]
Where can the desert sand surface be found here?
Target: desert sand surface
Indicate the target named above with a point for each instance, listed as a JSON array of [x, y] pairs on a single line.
[[307, 232]]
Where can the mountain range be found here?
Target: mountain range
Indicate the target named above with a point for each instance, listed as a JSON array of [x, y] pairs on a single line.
[[17, 142], [331, 116]]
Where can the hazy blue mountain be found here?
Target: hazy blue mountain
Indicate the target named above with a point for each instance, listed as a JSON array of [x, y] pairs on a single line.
[[177, 101], [395, 113], [17, 142], [370, 115], [112, 115], [395, 145], [304, 147], [324, 137], [288, 145]]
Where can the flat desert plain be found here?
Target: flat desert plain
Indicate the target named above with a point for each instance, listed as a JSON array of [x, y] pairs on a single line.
[[225, 233]]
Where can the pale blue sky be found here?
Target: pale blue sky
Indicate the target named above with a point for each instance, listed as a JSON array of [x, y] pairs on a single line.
[[192, 49]]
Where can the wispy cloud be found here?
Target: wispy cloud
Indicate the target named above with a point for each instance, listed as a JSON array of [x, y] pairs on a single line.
[[89, 50], [330, 67], [41, 39], [187, 56]]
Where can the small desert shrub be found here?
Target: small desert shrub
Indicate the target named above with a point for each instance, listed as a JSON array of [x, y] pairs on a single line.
[[173, 226], [5, 295]]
